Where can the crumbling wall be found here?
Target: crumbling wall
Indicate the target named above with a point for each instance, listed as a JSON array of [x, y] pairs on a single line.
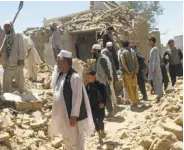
[[128, 26]]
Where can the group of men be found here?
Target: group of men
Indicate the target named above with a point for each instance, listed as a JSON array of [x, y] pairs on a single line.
[[76, 110], [15, 49]]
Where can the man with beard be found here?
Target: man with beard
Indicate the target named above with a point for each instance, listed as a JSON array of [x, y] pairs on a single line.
[[103, 74], [174, 57], [56, 39], [13, 55], [108, 52], [129, 63], [108, 37], [71, 112], [154, 73]]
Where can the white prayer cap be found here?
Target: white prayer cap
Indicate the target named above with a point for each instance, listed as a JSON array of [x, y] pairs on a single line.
[[65, 54], [97, 46], [108, 44]]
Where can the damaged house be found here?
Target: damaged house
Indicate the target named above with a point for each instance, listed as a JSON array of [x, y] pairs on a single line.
[[80, 31]]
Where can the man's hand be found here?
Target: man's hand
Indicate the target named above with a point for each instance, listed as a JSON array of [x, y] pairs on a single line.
[[101, 105], [167, 57], [73, 121], [20, 62], [110, 80], [153, 70]]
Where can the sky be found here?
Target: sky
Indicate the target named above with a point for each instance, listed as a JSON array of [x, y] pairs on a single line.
[[170, 23]]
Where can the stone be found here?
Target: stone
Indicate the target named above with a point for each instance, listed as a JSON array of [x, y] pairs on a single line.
[[179, 120], [25, 126], [174, 128], [146, 142], [135, 127], [159, 144], [41, 135], [28, 133], [4, 137], [126, 147], [38, 123], [123, 135], [28, 105], [168, 135], [57, 142], [33, 147], [177, 146], [108, 146]]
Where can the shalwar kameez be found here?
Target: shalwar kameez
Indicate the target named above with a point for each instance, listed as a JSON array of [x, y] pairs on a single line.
[[70, 99]]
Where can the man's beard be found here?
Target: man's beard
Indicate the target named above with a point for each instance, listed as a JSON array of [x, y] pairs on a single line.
[[94, 55]]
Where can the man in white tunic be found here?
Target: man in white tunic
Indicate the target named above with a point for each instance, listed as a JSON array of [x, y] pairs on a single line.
[[13, 55], [33, 58], [71, 112], [155, 74], [56, 39]]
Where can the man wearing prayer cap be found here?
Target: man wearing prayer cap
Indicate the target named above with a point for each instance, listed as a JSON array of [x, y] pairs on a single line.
[[13, 55], [56, 39], [103, 73], [108, 37], [71, 112], [108, 52]]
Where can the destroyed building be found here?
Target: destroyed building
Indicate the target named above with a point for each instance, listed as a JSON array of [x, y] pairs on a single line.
[[82, 29]]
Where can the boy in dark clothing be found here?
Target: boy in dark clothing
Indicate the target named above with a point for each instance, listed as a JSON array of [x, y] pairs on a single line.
[[97, 96]]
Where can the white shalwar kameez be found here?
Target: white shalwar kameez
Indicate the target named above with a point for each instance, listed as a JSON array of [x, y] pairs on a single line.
[[73, 136], [33, 57]]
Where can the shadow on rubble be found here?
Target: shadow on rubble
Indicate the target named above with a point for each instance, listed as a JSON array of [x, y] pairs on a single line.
[[117, 119], [5, 146], [110, 143], [141, 107]]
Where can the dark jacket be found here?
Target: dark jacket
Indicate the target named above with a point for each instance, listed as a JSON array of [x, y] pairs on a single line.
[[67, 92]]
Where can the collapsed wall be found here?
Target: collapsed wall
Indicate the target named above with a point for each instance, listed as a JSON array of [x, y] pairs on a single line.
[[128, 25]]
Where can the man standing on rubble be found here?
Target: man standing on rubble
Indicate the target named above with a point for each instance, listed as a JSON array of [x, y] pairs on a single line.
[[155, 74], [174, 57], [33, 58], [108, 37], [140, 75], [1, 36], [103, 74], [13, 55], [56, 39], [129, 62], [108, 52], [71, 111]]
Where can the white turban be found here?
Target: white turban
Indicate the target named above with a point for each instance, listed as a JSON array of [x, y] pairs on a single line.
[[109, 44], [97, 46], [65, 54]]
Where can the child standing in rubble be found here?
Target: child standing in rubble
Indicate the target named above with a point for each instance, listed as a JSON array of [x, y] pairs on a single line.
[[97, 97]]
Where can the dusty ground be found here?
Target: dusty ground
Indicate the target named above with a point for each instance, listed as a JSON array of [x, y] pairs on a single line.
[[151, 126]]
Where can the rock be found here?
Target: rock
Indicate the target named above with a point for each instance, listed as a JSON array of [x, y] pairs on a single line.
[[174, 128], [33, 147], [168, 135], [57, 143], [146, 142], [41, 135], [123, 135], [168, 91], [4, 137], [172, 108], [159, 144], [179, 120], [28, 105], [25, 126], [177, 146], [125, 147], [135, 127], [28, 133], [108, 146], [38, 124]]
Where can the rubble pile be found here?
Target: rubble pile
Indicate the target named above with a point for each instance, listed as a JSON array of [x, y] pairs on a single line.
[[128, 25], [151, 126]]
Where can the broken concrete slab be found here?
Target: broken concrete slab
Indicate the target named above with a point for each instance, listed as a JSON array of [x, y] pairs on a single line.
[[27, 101]]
